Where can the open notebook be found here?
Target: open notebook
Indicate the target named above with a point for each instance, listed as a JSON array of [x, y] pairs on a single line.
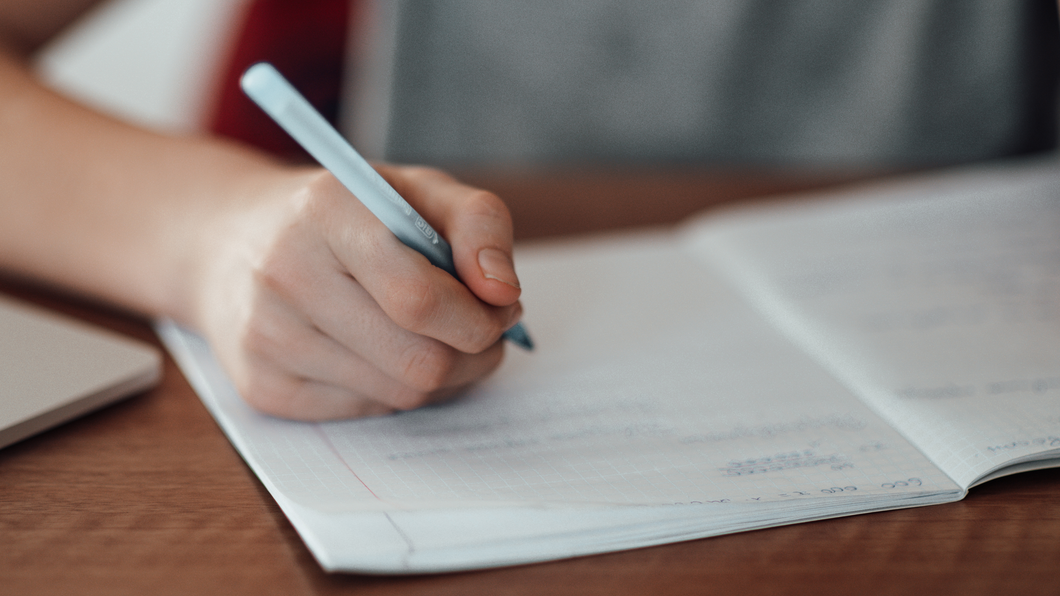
[[885, 348], [53, 369]]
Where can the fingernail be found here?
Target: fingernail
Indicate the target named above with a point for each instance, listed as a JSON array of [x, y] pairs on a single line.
[[497, 265]]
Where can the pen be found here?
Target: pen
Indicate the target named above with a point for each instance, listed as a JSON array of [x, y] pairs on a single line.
[[284, 104]]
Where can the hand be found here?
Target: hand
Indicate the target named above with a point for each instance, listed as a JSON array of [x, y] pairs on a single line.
[[313, 307], [317, 311]]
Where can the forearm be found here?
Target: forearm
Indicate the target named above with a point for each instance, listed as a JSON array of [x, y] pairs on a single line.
[[313, 308], [104, 208]]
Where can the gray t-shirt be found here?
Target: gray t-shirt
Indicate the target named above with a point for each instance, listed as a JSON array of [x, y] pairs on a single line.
[[885, 82]]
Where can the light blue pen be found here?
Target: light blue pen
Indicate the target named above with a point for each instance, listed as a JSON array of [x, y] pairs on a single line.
[[267, 87]]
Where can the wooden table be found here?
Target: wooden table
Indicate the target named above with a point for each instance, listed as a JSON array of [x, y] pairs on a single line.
[[148, 497]]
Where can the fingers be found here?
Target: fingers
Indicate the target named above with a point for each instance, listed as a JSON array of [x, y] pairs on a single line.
[[475, 222], [414, 294], [336, 308], [301, 373], [318, 311]]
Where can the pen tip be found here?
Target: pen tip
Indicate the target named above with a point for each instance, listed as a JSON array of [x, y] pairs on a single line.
[[518, 336]]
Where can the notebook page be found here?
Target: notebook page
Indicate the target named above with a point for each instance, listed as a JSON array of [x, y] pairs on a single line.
[[937, 301], [652, 384]]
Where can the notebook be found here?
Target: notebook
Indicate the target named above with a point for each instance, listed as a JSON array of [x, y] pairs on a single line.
[[54, 368], [888, 347]]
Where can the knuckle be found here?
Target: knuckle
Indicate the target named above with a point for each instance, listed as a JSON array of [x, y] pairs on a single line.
[[267, 395], [421, 174], [480, 343], [273, 272], [317, 205], [476, 341], [321, 192], [427, 367], [411, 303], [267, 338], [255, 338], [484, 204], [277, 265], [409, 399], [484, 335]]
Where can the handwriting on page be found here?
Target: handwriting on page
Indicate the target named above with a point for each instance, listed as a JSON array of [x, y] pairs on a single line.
[[1014, 387], [595, 455], [784, 461], [1050, 441], [908, 483]]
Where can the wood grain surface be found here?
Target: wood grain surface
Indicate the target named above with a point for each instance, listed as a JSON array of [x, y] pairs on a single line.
[[148, 497]]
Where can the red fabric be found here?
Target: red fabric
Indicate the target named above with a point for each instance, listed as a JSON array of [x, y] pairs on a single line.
[[306, 41]]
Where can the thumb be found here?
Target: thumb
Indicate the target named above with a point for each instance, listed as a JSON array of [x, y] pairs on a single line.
[[479, 229], [476, 224]]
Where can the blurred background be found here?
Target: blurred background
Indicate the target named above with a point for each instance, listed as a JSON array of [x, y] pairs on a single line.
[[753, 85], [750, 81]]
